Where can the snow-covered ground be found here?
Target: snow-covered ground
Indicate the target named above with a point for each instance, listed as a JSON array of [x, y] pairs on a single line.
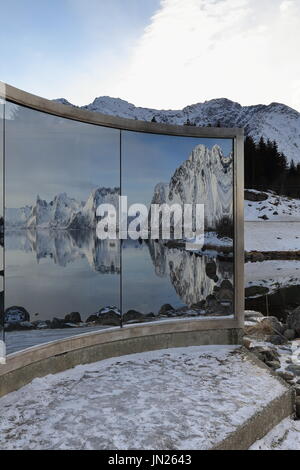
[[184, 398], [276, 208], [272, 236], [273, 274], [285, 436]]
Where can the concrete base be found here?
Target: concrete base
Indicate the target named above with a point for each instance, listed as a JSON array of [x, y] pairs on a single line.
[[22, 367]]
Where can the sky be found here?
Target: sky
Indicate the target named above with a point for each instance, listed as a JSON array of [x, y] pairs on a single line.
[[163, 54]]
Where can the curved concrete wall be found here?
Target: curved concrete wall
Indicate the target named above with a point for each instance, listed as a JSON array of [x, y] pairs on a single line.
[[22, 367], [53, 357]]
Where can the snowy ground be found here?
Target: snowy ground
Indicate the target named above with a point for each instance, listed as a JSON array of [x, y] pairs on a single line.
[[273, 274], [272, 236], [285, 436], [185, 398], [276, 208]]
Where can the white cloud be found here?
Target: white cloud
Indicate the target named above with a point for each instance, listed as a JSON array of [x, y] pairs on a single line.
[[193, 50]]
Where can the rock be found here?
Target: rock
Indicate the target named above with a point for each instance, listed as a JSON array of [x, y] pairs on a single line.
[[150, 315], [255, 196], [264, 217], [297, 390], [295, 368], [92, 318], [286, 375], [265, 354], [73, 317], [109, 318], [276, 339], [298, 407], [58, 323], [293, 321], [24, 325], [132, 315], [247, 342], [273, 324], [41, 325], [289, 334], [257, 256], [273, 364], [165, 309], [211, 269], [16, 314], [252, 314], [253, 291]]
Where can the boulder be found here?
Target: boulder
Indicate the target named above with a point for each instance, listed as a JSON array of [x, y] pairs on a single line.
[[73, 317], [273, 324], [276, 339], [109, 318], [165, 309], [254, 291], [293, 321], [211, 269], [295, 368], [16, 314], [289, 334], [255, 196], [57, 323], [92, 318], [288, 376], [265, 354], [273, 364], [132, 315]]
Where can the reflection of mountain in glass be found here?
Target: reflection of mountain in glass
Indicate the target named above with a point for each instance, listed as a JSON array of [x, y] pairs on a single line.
[[204, 178], [194, 277], [62, 212], [66, 246]]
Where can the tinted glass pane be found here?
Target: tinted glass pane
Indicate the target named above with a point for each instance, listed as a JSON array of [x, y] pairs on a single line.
[[177, 274], [58, 171], [1, 228]]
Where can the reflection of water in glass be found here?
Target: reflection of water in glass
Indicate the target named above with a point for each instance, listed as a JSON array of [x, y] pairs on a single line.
[[55, 273]]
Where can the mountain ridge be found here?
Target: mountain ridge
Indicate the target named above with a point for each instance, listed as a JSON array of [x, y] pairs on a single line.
[[275, 121]]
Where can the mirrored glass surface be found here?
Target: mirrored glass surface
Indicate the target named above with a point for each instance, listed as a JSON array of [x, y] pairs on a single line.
[[61, 279], [186, 271]]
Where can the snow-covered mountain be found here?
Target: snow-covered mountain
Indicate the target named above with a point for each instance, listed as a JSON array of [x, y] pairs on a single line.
[[62, 212], [204, 178], [275, 121]]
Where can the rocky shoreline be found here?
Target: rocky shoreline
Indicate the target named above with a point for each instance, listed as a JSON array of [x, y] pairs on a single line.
[[277, 344]]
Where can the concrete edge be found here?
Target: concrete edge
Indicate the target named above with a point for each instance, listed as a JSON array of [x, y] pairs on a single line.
[[258, 425], [23, 367]]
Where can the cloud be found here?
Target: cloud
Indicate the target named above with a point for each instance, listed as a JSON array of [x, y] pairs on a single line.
[[245, 50]]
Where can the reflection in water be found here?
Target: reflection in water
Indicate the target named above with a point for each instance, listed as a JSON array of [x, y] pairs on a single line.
[[90, 279]]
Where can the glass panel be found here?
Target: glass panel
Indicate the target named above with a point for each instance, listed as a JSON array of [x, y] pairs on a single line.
[[2, 352], [61, 279], [178, 274]]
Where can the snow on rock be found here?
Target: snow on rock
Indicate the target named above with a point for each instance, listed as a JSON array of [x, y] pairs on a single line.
[[203, 393], [87, 216], [285, 436], [275, 121], [271, 207], [204, 178]]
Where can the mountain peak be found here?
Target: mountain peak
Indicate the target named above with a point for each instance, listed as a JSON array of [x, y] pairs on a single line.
[[274, 121]]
